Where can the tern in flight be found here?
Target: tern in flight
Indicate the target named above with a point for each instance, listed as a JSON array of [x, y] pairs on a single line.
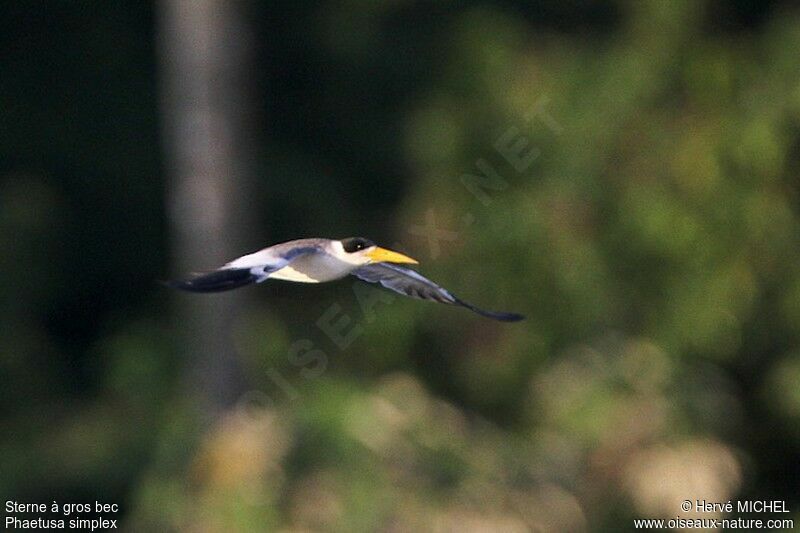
[[320, 260]]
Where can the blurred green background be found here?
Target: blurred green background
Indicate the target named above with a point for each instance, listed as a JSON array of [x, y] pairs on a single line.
[[650, 231]]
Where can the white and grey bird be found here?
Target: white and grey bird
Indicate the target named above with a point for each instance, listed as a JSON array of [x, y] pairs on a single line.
[[320, 260]]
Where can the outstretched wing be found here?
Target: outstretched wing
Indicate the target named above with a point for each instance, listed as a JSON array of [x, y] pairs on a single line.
[[252, 268], [411, 283]]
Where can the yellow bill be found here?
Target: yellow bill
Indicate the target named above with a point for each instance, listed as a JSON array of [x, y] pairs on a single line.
[[382, 255]]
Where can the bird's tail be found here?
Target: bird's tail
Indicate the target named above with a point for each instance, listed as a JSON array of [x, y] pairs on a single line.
[[220, 280]]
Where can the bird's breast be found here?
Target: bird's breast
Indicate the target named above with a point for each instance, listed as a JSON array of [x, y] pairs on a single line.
[[313, 269]]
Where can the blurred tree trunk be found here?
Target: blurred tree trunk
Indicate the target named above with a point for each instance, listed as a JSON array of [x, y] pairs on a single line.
[[205, 58]]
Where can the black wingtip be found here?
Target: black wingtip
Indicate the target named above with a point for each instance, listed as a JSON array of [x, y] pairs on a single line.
[[498, 315], [506, 317], [218, 281], [494, 315]]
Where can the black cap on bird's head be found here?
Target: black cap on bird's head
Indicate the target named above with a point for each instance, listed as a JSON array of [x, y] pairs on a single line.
[[375, 253], [355, 244]]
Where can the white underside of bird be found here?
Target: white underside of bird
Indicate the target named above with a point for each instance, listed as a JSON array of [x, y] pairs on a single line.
[[320, 260]]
